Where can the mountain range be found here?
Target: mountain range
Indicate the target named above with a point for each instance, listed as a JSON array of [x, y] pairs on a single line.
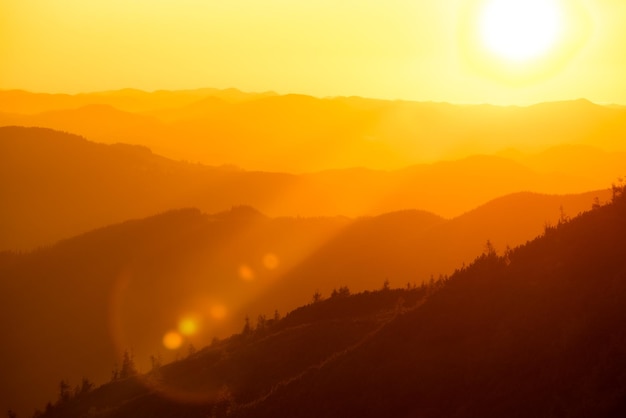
[[124, 286], [299, 134], [533, 331], [219, 253], [55, 185]]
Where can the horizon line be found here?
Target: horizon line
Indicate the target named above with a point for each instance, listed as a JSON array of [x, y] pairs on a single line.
[[320, 97]]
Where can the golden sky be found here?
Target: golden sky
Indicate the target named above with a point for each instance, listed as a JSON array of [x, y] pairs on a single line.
[[418, 50]]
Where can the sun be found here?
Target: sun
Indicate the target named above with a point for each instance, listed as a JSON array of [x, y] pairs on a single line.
[[521, 42], [520, 30]]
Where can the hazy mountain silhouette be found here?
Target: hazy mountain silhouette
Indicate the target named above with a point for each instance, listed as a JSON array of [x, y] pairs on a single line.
[[405, 252], [126, 285], [103, 123], [572, 159], [55, 185], [130, 100], [297, 133], [537, 330], [84, 300], [192, 111]]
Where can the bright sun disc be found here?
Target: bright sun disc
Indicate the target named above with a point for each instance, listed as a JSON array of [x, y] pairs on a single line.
[[520, 30]]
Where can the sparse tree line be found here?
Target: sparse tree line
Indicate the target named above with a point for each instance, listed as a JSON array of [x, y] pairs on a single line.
[[618, 197], [66, 394], [263, 324], [426, 285], [128, 369]]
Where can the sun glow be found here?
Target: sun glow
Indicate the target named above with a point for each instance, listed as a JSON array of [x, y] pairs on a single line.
[[522, 42], [520, 30]]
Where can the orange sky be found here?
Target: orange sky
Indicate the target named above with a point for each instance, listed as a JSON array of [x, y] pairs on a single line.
[[417, 50]]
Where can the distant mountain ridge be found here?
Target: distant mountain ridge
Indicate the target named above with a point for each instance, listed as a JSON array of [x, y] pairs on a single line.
[[297, 133], [115, 245], [55, 185], [130, 100]]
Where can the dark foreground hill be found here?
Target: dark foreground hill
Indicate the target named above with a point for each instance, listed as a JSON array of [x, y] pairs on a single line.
[[536, 331], [83, 301]]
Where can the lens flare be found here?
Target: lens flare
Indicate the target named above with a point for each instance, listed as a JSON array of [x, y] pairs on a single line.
[[188, 326], [172, 340], [270, 261], [246, 273]]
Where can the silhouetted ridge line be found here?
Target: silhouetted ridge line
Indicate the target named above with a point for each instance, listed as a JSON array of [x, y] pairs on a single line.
[[534, 329], [299, 133], [78, 185], [133, 226]]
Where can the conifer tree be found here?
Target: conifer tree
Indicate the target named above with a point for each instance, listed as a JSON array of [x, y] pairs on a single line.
[[247, 328], [191, 350], [64, 391], [317, 297], [128, 366]]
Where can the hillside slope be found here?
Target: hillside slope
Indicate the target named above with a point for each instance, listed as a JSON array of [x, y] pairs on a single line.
[[55, 185], [126, 285], [537, 331]]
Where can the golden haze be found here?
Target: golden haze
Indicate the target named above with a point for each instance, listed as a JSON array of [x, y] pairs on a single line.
[[160, 220], [395, 49]]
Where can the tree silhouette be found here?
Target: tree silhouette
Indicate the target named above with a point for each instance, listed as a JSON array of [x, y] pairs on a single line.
[[596, 203], [115, 373], [261, 324], [343, 292], [617, 189], [490, 250], [563, 218], [191, 350], [247, 327], [155, 362], [64, 391], [317, 297], [85, 387], [128, 366]]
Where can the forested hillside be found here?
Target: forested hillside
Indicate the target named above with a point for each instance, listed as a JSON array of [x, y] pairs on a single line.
[[534, 331]]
